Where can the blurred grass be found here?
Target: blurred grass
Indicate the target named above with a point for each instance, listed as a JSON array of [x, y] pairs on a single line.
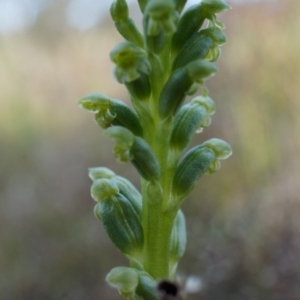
[[243, 228]]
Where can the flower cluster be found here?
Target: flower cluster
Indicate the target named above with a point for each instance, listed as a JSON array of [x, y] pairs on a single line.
[[160, 67]]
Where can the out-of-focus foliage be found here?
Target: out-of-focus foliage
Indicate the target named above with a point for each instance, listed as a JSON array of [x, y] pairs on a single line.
[[243, 229]]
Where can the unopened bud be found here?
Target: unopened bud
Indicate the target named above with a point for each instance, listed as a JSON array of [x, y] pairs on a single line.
[[119, 10], [131, 148], [121, 223], [194, 164]]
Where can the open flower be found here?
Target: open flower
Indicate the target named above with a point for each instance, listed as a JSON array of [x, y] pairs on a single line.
[[131, 62], [162, 16]]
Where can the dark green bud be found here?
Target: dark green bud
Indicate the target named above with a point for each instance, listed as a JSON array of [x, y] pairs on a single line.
[[199, 46], [139, 89], [119, 10], [178, 240], [125, 280], [174, 92], [197, 161], [194, 164], [131, 148], [200, 70], [131, 61], [121, 223], [180, 83], [144, 160], [192, 20], [127, 189], [162, 17], [186, 123], [189, 23], [154, 43], [130, 32], [111, 112]]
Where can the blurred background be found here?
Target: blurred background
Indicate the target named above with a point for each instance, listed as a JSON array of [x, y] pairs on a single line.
[[243, 222]]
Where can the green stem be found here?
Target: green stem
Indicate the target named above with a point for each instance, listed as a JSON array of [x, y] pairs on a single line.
[[157, 239]]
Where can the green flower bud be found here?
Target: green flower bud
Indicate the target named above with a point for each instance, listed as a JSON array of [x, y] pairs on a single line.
[[134, 149], [178, 240], [103, 188], [139, 89], [119, 10], [179, 84], [210, 107], [207, 102], [214, 54], [200, 70], [199, 45], [111, 112], [144, 160], [124, 140], [101, 172], [162, 16], [193, 19], [154, 43], [189, 23], [130, 61], [187, 121], [125, 280], [221, 149], [126, 188], [194, 164], [147, 287], [121, 223], [214, 6], [130, 32], [174, 92]]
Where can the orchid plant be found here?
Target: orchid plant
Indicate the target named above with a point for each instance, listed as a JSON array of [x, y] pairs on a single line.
[[160, 67]]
